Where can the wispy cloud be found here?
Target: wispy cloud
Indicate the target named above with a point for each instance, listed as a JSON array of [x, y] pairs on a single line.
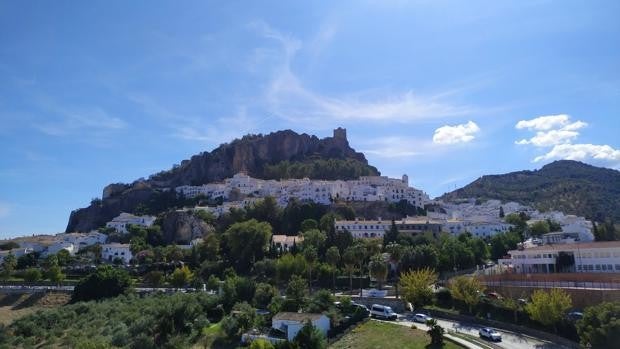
[[289, 98], [5, 209], [71, 121], [462, 133], [395, 147]]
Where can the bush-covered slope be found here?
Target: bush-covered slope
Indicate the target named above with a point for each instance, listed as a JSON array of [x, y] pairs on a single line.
[[569, 186]]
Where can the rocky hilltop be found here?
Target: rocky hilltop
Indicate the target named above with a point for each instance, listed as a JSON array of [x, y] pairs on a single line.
[[569, 186], [281, 154]]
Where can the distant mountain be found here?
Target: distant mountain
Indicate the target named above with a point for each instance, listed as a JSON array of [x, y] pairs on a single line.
[[569, 186], [282, 154]]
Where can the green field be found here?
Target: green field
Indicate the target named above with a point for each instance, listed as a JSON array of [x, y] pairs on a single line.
[[379, 335]]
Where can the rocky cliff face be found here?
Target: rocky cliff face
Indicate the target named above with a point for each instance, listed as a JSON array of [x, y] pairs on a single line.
[[182, 227], [250, 154]]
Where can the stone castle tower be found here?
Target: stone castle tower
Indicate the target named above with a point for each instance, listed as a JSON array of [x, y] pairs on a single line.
[[340, 133]]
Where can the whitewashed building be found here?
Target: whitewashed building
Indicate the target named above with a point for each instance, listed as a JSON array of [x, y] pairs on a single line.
[[109, 252], [59, 246], [285, 242], [290, 323], [376, 228], [17, 252], [591, 257], [122, 222]]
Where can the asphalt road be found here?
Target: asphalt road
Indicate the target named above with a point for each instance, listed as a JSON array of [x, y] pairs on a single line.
[[510, 340]]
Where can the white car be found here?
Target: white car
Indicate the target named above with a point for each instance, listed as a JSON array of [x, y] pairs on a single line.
[[490, 334], [423, 318], [382, 312]]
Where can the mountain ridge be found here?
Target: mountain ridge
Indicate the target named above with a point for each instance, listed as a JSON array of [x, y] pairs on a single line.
[[566, 185]]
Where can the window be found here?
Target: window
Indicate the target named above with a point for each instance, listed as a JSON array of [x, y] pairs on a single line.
[[598, 267], [617, 266]]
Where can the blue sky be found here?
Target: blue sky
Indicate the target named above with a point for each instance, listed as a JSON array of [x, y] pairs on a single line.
[[109, 91]]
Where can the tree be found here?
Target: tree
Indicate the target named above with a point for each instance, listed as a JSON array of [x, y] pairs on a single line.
[[416, 286], [349, 260], [246, 316], [181, 276], [310, 256], [419, 257], [378, 269], [296, 290], [32, 275], [264, 294], [105, 282], [54, 273], [154, 278], [539, 228], [600, 326], [466, 289], [501, 212], [248, 241], [28, 260], [396, 252], [314, 238], [549, 307], [261, 344], [332, 256], [390, 235], [309, 337], [435, 332], [502, 243], [308, 224], [8, 265]]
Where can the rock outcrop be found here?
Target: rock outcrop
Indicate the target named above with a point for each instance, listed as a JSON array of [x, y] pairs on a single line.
[[181, 227]]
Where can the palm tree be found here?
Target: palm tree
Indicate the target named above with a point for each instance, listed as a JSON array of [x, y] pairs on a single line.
[[310, 256], [378, 269], [359, 251], [349, 263], [396, 252], [333, 258]]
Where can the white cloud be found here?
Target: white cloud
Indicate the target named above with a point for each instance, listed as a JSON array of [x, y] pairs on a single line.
[[288, 98], [543, 123], [584, 152], [462, 133], [553, 137], [552, 130]]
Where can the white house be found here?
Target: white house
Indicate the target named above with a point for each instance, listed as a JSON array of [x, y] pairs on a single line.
[[59, 246], [590, 257], [285, 242], [291, 323], [109, 252], [122, 222], [81, 240]]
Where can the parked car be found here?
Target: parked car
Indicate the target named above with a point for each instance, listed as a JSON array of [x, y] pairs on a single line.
[[522, 301], [382, 312], [423, 318], [574, 315], [494, 295], [490, 334]]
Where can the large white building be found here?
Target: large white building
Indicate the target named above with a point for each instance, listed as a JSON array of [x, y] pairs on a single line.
[[122, 222], [109, 252], [590, 257], [376, 228]]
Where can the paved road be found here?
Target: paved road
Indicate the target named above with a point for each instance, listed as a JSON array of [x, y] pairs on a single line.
[[510, 340]]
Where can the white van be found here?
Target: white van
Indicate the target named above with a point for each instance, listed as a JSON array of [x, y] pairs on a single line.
[[382, 312]]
